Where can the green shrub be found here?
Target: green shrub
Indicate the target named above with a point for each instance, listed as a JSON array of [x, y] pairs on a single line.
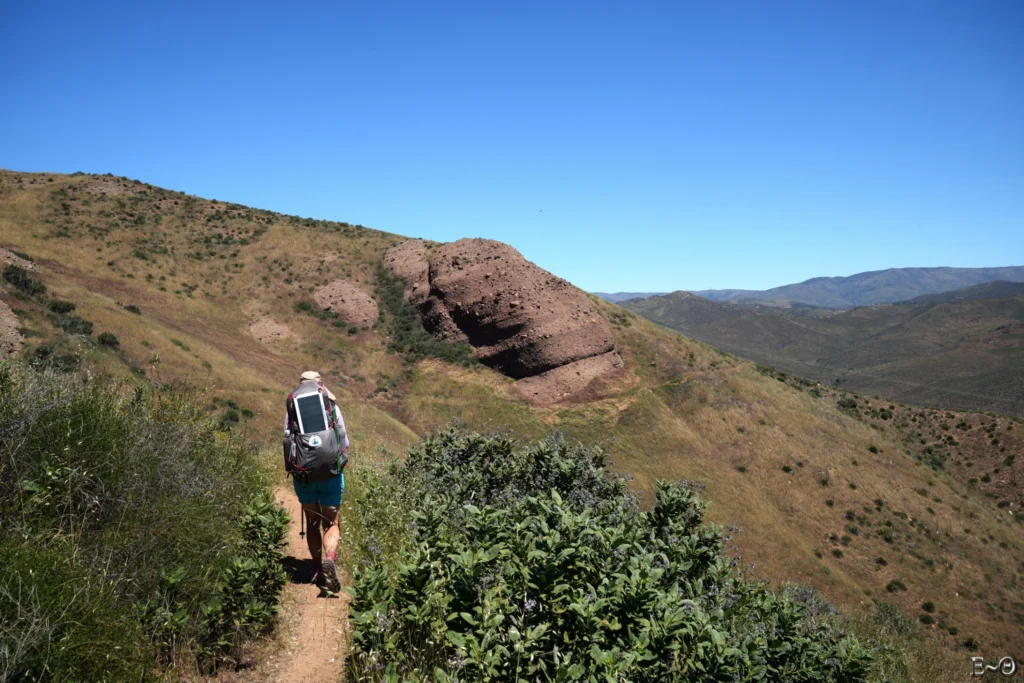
[[58, 306], [109, 340], [509, 562], [889, 619], [72, 324], [133, 538], [52, 356], [19, 278], [847, 403]]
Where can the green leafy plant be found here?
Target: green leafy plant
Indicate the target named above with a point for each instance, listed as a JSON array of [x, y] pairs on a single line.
[[509, 562]]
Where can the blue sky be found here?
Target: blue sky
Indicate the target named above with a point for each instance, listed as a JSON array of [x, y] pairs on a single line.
[[625, 146]]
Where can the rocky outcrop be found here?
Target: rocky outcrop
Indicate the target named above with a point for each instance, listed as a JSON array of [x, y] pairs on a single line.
[[519, 318], [10, 258], [352, 304]]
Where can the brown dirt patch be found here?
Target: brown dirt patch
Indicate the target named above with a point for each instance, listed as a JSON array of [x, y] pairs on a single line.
[[10, 338], [266, 330], [355, 306], [9, 258]]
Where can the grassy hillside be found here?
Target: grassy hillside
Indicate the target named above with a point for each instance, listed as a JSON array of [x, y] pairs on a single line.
[[822, 495], [874, 287], [964, 353]]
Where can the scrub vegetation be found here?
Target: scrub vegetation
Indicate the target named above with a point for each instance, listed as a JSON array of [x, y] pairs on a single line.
[[135, 539]]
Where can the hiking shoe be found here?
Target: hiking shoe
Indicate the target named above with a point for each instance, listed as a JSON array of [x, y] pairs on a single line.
[[332, 581]]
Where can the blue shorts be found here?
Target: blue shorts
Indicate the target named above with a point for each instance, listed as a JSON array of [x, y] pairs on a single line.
[[327, 492]]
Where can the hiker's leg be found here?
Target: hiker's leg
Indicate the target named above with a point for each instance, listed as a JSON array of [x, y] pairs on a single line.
[[332, 580], [313, 524], [330, 523]]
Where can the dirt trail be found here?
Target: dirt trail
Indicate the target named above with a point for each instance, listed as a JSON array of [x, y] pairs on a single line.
[[312, 629]]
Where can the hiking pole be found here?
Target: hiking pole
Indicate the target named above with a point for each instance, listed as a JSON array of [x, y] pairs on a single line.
[[302, 528]]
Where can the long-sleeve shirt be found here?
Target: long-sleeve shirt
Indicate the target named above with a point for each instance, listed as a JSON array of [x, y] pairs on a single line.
[[336, 412]]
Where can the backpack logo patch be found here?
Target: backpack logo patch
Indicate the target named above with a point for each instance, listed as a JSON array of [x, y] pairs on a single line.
[[315, 441]]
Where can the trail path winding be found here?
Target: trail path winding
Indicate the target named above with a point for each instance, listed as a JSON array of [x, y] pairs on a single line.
[[313, 628]]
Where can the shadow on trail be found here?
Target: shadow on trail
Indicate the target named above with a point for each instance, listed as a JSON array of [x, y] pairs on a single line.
[[300, 573]]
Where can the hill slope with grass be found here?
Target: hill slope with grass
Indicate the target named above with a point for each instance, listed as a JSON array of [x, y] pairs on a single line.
[[964, 352], [873, 287], [860, 499], [989, 290]]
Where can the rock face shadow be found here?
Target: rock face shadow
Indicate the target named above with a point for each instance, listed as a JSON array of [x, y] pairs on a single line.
[[520, 319]]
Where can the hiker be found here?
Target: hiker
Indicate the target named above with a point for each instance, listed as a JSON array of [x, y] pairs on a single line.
[[315, 455]]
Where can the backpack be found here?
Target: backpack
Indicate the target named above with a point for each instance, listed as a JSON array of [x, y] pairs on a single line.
[[312, 448]]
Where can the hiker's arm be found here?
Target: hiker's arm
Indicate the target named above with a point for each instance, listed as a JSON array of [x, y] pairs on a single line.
[[341, 427]]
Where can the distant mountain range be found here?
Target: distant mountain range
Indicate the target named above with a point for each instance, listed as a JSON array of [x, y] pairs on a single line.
[[989, 290], [962, 349], [862, 289], [616, 297]]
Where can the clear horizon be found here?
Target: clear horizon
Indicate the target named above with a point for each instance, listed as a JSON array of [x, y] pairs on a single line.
[[644, 147]]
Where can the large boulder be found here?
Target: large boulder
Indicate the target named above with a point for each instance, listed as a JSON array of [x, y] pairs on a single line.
[[520, 319]]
